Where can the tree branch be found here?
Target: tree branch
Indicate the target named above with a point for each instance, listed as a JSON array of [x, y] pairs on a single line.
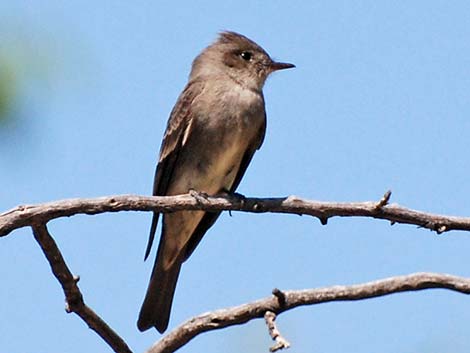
[[292, 299], [73, 296], [36, 216], [281, 342], [28, 215]]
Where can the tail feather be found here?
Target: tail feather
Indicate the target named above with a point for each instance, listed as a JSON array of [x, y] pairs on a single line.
[[156, 308]]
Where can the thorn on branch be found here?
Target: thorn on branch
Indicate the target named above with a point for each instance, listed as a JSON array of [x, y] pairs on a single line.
[[281, 342], [384, 200], [441, 229], [323, 220], [281, 297]]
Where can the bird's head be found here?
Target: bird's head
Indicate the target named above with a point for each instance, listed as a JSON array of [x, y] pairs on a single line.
[[238, 57]]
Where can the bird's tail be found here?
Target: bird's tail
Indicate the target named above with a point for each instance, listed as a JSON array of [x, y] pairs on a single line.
[[156, 308]]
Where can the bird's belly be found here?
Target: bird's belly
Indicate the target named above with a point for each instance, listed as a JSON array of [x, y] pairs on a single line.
[[211, 172], [222, 171]]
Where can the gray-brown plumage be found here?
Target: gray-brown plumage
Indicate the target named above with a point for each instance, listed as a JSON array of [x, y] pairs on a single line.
[[214, 129]]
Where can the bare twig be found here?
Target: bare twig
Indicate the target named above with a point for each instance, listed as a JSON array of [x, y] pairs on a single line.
[[22, 216], [384, 200], [281, 297], [281, 342], [73, 296], [246, 312]]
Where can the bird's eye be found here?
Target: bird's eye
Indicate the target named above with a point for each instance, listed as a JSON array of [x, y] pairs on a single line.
[[246, 55]]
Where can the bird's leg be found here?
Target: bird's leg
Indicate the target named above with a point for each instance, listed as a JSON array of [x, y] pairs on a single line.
[[198, 195], [233, 195]]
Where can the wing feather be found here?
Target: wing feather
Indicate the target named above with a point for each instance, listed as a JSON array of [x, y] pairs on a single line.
[[177, 130]]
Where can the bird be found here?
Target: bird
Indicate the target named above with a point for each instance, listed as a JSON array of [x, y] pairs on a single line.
[[213, 131]]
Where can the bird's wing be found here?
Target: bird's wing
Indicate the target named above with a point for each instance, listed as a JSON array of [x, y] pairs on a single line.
[[178, 128], [257, 142], [210, 217]]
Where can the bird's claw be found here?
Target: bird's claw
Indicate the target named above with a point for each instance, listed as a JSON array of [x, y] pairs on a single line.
[[238, 196], [198, 195], [233, 194]]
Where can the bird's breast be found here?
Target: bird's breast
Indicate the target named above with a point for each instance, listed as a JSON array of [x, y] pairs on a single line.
[[220, 135]]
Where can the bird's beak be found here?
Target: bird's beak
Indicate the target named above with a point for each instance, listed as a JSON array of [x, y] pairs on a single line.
[[275, 66]]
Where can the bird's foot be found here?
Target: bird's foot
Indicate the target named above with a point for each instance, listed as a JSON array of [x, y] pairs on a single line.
[[198, 195], [235, 195]]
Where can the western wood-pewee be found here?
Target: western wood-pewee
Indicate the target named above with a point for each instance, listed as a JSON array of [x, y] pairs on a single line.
[[217, 124]]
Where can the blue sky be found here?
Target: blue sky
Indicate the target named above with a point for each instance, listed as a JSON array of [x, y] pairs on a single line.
[[380, 99]]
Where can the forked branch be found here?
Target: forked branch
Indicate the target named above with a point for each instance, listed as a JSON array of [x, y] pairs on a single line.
[[37, 216]]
